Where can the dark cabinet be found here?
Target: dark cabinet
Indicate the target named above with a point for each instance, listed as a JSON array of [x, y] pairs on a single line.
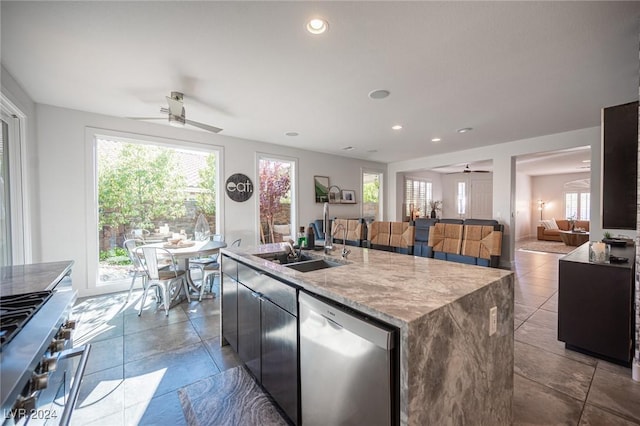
[[229, 301], [595, 305], [249, 329], [265, 330], [280, 356], [620, 166]]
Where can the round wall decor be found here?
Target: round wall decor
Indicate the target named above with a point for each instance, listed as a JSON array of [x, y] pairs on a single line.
[[239, 187]]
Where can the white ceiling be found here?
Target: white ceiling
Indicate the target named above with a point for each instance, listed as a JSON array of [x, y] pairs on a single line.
[[509, 70]]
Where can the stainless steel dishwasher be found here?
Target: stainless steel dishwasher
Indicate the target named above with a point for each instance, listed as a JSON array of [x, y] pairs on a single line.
[[347, 366]]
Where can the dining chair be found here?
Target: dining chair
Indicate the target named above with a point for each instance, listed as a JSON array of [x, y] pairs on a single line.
[[207, 265], [138, 270], [211, 270], [169, 281]]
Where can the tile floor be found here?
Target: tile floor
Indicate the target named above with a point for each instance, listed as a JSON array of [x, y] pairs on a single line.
[[138, 364]]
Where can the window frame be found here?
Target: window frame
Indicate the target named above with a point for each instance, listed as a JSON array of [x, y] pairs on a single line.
[[428, 195], [92, 135], [293, 189], [380, 174], [19, 193], [579, 200]]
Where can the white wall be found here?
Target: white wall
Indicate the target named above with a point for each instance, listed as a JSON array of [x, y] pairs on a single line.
[[61, 147], [525, 207], [504, 177]]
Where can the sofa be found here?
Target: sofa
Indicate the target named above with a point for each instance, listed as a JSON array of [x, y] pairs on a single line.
[[547, 231]]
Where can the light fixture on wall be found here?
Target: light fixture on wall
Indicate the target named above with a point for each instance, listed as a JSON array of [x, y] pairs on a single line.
[[541, 207]]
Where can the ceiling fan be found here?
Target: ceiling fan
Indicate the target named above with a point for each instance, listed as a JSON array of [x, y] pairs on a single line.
[[467, 169], [177, 116]]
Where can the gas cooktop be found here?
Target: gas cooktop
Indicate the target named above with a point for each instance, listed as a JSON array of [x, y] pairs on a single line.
[[16, 311]]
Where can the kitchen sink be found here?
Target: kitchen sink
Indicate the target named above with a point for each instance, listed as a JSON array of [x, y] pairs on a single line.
[[313, 265], [284, 258]]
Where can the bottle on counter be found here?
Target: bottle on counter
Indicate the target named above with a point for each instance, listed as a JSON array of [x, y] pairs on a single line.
[[302, 239], [311, 239]]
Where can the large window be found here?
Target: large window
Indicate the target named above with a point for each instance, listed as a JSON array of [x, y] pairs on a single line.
[[372, 195], [149, 191], [277, 201], [577, 205], [417, 194], [461, 198]]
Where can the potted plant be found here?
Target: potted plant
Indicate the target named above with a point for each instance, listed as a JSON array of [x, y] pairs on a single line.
[[434, 206]]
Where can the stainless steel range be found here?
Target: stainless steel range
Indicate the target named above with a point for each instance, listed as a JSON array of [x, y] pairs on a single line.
[[39, 375]]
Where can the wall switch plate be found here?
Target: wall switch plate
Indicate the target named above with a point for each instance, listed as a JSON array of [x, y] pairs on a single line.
[[493, 320]]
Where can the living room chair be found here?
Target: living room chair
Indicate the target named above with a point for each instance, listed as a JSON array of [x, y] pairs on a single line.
[[168, 281]]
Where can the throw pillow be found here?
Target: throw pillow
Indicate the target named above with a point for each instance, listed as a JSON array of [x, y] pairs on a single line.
[[553, 224]]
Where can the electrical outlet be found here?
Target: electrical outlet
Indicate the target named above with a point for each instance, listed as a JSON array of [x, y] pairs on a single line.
[[493, 320]]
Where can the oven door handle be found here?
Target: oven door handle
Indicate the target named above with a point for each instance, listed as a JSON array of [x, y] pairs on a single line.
[[77, 378]]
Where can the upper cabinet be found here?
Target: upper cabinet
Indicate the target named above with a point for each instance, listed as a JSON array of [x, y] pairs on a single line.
[[620, 166]]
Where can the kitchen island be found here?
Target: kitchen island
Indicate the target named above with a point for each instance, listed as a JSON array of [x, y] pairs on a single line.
[[452, 371]]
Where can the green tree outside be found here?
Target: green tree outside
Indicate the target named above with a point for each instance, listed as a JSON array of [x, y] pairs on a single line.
[[138, 186]]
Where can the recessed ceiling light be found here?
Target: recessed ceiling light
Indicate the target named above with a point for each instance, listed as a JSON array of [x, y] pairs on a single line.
[[464, 130], [436, 140], [379, 94], [317, 26], [396, 127], [348, 148], [372, 151], [586, 161], [292, 134]]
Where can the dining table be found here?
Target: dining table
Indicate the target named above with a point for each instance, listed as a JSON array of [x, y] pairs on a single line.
[[188, 249]]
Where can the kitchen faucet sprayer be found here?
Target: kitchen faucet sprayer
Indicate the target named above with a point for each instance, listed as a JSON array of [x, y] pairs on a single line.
[[345, 252]]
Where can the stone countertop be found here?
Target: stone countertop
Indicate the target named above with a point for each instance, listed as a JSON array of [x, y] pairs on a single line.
[[20, 279], [395, 288], [581, 255]]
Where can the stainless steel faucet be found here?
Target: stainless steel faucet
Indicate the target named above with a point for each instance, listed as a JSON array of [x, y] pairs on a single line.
[[345, 252], [328, 246]]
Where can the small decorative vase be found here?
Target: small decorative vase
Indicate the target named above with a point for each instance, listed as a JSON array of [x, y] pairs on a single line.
[[433, 214], [201, 230]]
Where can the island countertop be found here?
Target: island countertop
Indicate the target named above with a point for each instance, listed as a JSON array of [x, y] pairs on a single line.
[[21, 279], [393, 287], [455, 368]]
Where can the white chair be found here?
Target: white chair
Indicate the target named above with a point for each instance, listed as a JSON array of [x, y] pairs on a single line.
[[169, 282], [208, 266], [211, 270], [138, 270]]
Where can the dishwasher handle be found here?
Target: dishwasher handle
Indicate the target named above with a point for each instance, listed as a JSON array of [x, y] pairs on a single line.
[[381, 335]]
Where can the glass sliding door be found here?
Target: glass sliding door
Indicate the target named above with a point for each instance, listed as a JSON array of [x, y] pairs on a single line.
[[149, 192], [277, 201]]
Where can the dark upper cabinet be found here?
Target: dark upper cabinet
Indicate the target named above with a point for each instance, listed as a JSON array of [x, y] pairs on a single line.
[[620, 166]]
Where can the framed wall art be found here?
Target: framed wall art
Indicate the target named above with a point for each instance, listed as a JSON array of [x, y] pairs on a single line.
[[321, 184], [348, 196]]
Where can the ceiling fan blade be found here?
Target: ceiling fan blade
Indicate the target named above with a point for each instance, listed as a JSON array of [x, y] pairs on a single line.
[[204, 126], [148, 118]]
